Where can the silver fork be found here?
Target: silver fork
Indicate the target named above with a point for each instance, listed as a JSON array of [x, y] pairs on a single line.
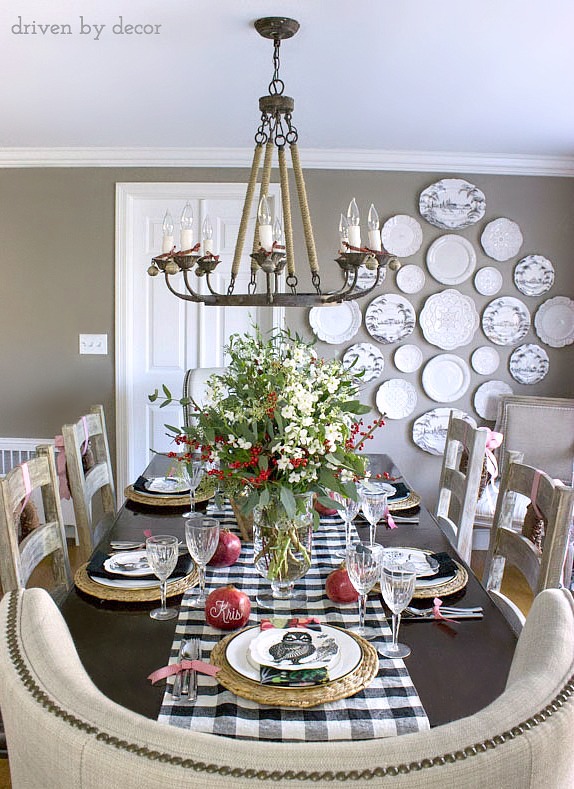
[[189, 681], [177, 683]]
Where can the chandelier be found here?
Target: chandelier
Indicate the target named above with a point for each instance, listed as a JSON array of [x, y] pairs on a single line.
[[272, 252]]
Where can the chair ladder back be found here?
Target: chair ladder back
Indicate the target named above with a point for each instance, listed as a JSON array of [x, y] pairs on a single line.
[[98, 478], [460, 485], [18, 561]]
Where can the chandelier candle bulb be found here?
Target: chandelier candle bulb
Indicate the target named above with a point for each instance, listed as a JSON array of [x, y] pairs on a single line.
[[343, 233], [354, 220], [207, 235], [374, 232], [265, 227], [186, 232], [167, 243]]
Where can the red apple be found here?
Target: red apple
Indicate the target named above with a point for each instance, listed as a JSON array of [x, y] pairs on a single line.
[[322, 510], [339, 588], [227, 551], [227, 608]]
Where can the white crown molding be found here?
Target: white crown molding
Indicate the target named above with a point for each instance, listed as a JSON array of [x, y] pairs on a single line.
[[312, 158]]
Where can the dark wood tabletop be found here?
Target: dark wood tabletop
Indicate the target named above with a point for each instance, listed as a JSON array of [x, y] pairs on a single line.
[[457, 669]]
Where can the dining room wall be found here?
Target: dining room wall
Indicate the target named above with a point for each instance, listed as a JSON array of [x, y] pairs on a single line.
[[57, 245]]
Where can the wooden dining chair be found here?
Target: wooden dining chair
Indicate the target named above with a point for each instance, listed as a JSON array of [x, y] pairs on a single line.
[[539, 550], [89, 470], [194, 388], [20, 557], [460, 479]]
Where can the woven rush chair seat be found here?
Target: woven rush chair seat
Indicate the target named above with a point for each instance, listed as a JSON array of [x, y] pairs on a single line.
[[82, 740]]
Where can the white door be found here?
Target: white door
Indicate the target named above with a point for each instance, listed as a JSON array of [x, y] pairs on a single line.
[[158, 336]]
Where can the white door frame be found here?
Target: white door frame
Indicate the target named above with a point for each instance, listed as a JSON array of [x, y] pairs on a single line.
[[127, 195]]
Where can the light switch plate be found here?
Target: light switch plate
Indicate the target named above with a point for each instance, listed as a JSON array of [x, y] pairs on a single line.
[[94, 343]]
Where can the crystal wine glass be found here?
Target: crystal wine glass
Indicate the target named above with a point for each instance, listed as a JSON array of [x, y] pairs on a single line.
[[374, 506], [201, 536], [350, 509], [192, 471], [364, 570], [397, 587], [162, 551]]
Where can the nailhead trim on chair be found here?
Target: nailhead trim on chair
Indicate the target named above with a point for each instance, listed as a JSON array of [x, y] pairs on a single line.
[[25, 675]]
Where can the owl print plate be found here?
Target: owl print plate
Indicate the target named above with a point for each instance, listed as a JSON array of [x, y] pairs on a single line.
[[240, 655], [294, 648]]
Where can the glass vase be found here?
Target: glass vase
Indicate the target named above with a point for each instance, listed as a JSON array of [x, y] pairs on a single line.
[[282, 549]]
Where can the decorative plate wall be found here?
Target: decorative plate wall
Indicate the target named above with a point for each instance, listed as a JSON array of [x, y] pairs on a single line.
[[534, 275], [528, 364], [451, 259], [487, 396], [452, 204], [366, 358], [501, 239], [389, 318], [506, 320], [402, 235], [396, 398], [337, 323], [430, 429], [366, 277], [449, 319], [554, 321]]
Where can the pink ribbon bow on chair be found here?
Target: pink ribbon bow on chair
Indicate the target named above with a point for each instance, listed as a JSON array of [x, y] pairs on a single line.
[[493, 441]]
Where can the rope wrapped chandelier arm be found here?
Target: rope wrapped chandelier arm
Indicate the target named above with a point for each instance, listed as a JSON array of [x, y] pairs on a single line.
[[273, 245]]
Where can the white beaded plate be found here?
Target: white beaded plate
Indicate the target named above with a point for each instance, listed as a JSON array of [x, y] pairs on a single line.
[[402, 235], [408, 358], [554, 322], [396, 398], [449, 319], [410, 278], [488, 281], [336, 323], [501, 239], [485, 360]]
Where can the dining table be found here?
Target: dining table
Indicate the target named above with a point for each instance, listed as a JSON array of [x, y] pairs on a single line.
[[457, 668]]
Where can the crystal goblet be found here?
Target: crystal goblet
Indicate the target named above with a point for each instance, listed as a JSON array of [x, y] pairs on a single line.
[[349, 510], [397, 586], [192, 471], [364, 570], [374, 507], [162, 551], [201, 536]]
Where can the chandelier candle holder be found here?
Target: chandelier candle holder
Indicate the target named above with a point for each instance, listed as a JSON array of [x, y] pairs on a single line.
[[272, 251]]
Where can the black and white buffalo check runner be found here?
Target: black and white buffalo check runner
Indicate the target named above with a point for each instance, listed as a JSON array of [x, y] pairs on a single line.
[[388, 706]]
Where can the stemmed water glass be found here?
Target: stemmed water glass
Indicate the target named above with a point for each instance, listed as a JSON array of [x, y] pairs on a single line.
[[162, 551], [397, 586], [192, 471], [350, 508], [201, 536], [374, 506], [364, 570]]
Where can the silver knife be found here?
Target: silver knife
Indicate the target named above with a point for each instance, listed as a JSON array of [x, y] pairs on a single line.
[[177, 683]]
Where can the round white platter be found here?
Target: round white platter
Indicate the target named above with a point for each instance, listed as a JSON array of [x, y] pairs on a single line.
[[396, 398], [410, 278], [389, 318], [449, 319], [408, 358], [452, 204], [337, 323], [506, 320], [488, 281], [485, 360], [501, 239], [446, 378], [451, 259], [528, 363], [534, 275], [366, 358], [123, 564], [487, 396], [430, 429], [402, 235], [554, 322]]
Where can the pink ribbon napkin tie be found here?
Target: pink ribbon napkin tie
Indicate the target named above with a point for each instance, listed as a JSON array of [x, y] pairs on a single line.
[[183, 665]]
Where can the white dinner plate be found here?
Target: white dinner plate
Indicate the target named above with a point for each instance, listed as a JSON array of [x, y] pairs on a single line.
[[424, 566], [451, 259], [281, 648], [366, 358], [488, 281], [501, 239], [236, 653], [430, 429], [446, 378], [487, 396], [166, 485], [119, 564], [402, 235], [376, 486], [336, 323], [396, 398], [410, 278], [452, 203]]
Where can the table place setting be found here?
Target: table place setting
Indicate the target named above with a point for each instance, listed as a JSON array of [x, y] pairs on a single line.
[[299, 673]]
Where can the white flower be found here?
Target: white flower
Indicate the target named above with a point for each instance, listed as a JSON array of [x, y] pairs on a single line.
[[243, 444]]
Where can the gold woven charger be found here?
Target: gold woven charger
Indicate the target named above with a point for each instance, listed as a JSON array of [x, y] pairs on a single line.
[[161, 499], [412, 500], [357, 679], [120, 594]]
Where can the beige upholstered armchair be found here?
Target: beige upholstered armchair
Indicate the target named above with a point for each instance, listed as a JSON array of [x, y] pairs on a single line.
[[64, 734]]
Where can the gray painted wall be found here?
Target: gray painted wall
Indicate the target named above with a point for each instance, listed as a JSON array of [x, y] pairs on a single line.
[[57, 251]]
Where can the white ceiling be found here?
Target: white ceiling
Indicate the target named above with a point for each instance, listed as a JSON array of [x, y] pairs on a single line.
[[489, 77]]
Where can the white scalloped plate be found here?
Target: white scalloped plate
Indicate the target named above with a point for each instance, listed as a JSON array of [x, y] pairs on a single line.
[[396, 398], [389, 318], [451, 259], [408, 358], [446, 378], [488, 281], [337, 323], [528, 363], [402, 235], [449, 319], [410, 278], [487, 396], [501, 239], [554, 322]]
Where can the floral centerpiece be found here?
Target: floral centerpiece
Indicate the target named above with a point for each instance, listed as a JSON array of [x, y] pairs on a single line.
[[280, 423]]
